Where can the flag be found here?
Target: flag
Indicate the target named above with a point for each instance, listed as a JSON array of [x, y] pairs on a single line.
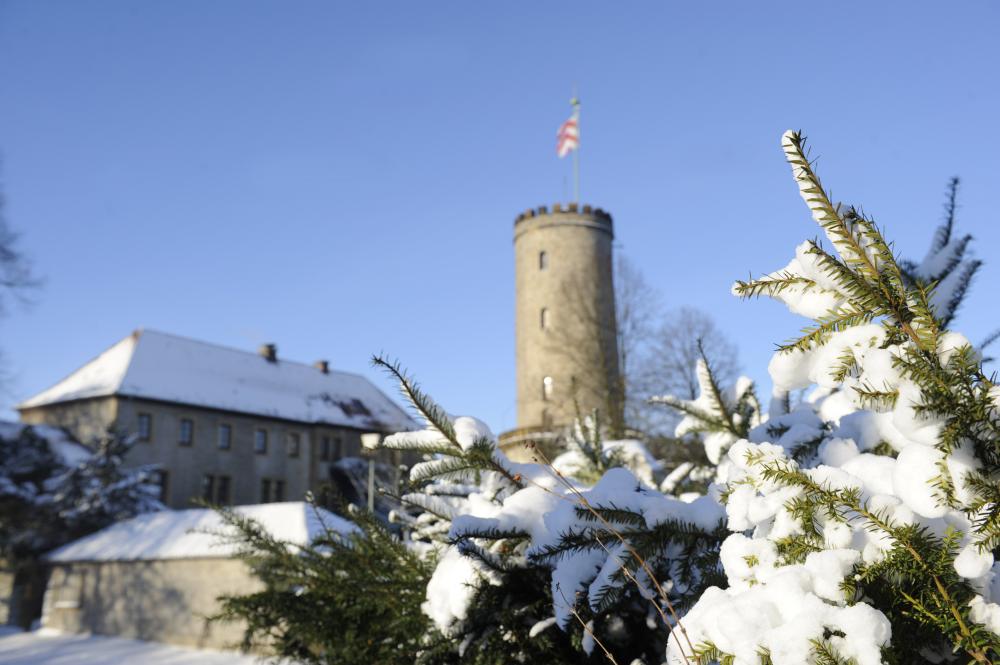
[[568, 138]]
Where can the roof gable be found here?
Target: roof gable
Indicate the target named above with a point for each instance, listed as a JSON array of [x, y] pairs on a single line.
[[98, 378]]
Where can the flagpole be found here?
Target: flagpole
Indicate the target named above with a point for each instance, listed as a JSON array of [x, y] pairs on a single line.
[[576, 153]]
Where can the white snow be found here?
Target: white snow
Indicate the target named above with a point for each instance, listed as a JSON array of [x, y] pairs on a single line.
[[45, 647], [633, 453], [155, 365], [61, 444], [813, 300], [179, 534], [469, 431], [541, 626], [916, 468], [972, 563], [782, 611], [450, 590], [987, 614]]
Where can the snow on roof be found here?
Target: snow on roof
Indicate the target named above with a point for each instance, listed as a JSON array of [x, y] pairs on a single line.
[[62, 445], [180, 534], [155, 365]]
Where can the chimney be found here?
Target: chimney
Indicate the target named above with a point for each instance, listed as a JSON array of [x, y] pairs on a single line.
[[268, 352], [322, 365]]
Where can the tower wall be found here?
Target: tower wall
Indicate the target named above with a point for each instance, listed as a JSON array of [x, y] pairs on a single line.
[[574, 341]]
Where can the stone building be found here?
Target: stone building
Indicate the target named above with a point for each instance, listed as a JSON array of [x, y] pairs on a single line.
[[225, 425], [566, 337], [158, 576]]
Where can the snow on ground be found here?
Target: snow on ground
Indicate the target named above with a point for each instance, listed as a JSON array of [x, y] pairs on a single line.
[[49, 648]]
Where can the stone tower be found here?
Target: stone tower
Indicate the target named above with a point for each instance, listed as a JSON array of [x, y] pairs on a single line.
[[566, 340]]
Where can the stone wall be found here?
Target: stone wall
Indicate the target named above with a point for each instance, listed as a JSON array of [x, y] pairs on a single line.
[[162, 601], [87, 419]]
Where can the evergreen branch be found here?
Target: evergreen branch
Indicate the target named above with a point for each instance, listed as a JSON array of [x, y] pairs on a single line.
[[716, 393], [427, 407], [771, 285], [816, 335]]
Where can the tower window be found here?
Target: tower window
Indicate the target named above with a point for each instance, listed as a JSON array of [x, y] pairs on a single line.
[[543, 260], [544, 318], [547, 388]]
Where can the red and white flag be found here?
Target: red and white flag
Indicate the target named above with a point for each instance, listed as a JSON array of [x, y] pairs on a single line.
[[568, 138]]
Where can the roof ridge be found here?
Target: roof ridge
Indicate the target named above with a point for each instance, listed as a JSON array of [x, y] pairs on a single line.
[[153, 364], [235, 349]]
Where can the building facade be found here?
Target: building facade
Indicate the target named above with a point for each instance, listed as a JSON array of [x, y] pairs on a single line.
[[158, 576], [223, 425]]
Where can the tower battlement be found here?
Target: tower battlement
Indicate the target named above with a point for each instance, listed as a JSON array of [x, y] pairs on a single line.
[[597, 214]]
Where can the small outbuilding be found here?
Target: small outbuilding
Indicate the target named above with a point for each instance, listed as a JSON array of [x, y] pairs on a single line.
[[159, 575]]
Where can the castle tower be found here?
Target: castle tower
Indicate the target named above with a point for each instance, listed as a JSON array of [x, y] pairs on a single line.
[[566, 340]]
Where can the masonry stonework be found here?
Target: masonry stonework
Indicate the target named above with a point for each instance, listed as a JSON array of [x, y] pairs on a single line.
[[566, 345]]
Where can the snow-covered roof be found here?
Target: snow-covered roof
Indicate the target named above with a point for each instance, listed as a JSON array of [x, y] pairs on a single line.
[[70, 451], [155, 365], [180, 534]]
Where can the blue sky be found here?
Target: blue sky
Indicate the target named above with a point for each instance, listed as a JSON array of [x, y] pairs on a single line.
[[342, 178]]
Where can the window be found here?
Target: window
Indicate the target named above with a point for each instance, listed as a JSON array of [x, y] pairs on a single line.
[[186, 437], [547, 388], [338, 447], [271, 490], [145, 427], [225, 437], [543, 260], [324, 449], [161, 479], [260, 441], [544, 318], [294, 443], [215, 489], [222, 490], [207, 487], [354, 407]]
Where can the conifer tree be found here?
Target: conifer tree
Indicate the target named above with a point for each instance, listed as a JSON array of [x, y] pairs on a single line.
[[876, 495], [619, 557], [348, 597], [48, 499]]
